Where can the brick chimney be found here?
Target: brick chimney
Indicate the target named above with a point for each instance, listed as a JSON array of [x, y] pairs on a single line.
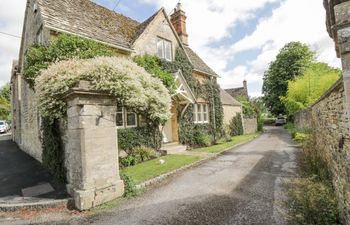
[[178, 19]]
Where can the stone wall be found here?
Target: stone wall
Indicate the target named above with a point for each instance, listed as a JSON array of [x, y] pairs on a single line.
[[331, 131], [250, 125], [303, 119]]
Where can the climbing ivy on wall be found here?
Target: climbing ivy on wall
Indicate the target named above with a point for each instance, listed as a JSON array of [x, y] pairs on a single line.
[[62, 47], [209, 90], [52, 156]]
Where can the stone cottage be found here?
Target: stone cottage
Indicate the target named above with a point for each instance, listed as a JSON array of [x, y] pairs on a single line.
[[240, 92], [159, 35]]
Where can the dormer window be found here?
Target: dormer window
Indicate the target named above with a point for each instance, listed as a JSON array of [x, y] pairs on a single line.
[[164, 48]]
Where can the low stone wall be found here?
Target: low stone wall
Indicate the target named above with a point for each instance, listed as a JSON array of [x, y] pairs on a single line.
[[331, 131], [250, 125]]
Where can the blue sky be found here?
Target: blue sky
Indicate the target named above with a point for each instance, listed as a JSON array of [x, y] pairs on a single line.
[[236, 38]]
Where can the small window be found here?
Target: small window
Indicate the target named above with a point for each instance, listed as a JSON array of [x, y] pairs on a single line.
[[125, 119], [120, 117], [201, 113], [164, 49]]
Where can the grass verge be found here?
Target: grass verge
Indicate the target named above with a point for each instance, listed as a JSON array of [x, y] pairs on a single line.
[[222, 146], [153, 168]]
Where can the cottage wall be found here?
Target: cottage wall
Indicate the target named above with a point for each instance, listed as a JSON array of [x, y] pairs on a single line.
[[27, 121], [230, 111], [159, 28]]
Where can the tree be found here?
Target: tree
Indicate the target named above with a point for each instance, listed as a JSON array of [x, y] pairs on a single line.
[[291, 61], [306, 89], [5, 102]]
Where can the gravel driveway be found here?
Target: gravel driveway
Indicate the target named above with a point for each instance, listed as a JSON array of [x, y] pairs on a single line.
[[243, 186]]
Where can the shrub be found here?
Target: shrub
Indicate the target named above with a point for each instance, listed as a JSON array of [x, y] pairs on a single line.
[[227, 134], [130, 160], [236, 125], [132, 86], [203, 140], [130, 189], [144, 153], [130, 138], [300, 137], [312, 202]]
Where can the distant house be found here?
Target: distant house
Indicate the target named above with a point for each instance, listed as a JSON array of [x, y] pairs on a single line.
[[238, 93], [159, 35], [230, 105]]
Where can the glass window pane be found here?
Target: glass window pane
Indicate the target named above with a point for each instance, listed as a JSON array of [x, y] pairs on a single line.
[[131, 119], [195, 113], [160, 48], [120, 120], [167, 45], [199, 113]]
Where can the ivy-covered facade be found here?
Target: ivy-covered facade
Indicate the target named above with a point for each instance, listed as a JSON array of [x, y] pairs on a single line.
[[159, 45]]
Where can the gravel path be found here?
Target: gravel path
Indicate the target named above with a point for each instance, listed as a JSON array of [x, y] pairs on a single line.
[[243, 186]]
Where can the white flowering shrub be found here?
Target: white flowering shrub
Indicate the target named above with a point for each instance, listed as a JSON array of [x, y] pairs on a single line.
[[132, 86]]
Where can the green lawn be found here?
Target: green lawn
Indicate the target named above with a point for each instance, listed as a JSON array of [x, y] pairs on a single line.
[[222, 146], [154, 168]]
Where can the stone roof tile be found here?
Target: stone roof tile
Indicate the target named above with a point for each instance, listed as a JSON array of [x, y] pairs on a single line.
[[198, 63], [88, 19]]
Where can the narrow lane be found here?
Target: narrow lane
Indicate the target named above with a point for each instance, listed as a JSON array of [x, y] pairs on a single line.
[[243, 186]]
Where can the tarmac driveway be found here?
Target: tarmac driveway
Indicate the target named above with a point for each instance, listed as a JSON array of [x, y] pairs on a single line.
[[243, 186], [19, 171]]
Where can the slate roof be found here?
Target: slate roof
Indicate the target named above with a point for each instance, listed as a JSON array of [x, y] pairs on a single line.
[[198, 63], [227, 99], [88, 19], [238, 92]]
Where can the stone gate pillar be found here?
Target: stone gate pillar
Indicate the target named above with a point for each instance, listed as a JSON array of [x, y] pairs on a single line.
[[91, 151]]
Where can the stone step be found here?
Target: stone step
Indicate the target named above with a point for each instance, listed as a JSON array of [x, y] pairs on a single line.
[[173, 148]]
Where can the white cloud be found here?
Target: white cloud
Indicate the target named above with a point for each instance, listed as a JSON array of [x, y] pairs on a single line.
[[293, 20], [11, 20], [211, 20]]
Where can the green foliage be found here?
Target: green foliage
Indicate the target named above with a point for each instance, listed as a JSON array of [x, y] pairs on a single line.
[[53, 155], [216, 110], [291, 61], [144, 153], [236, 125], [153, 65], [5, 106], [131, 138], [312, 202], [130, 160], [307, 88], [209, 91], [301, 137], [130, 189], [62, 47], [203, 140]]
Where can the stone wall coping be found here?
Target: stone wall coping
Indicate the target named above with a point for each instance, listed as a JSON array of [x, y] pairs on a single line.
[[336, 85]]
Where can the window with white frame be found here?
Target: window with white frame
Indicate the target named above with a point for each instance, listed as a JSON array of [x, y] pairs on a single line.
[[125, 119], [201, 113], [164, 49]]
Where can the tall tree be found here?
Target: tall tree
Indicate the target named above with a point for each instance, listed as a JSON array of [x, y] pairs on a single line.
[[306, 89], [5, 102], [291, 61]]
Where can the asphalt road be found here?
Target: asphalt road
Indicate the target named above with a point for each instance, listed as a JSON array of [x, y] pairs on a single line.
[[243, 186]]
